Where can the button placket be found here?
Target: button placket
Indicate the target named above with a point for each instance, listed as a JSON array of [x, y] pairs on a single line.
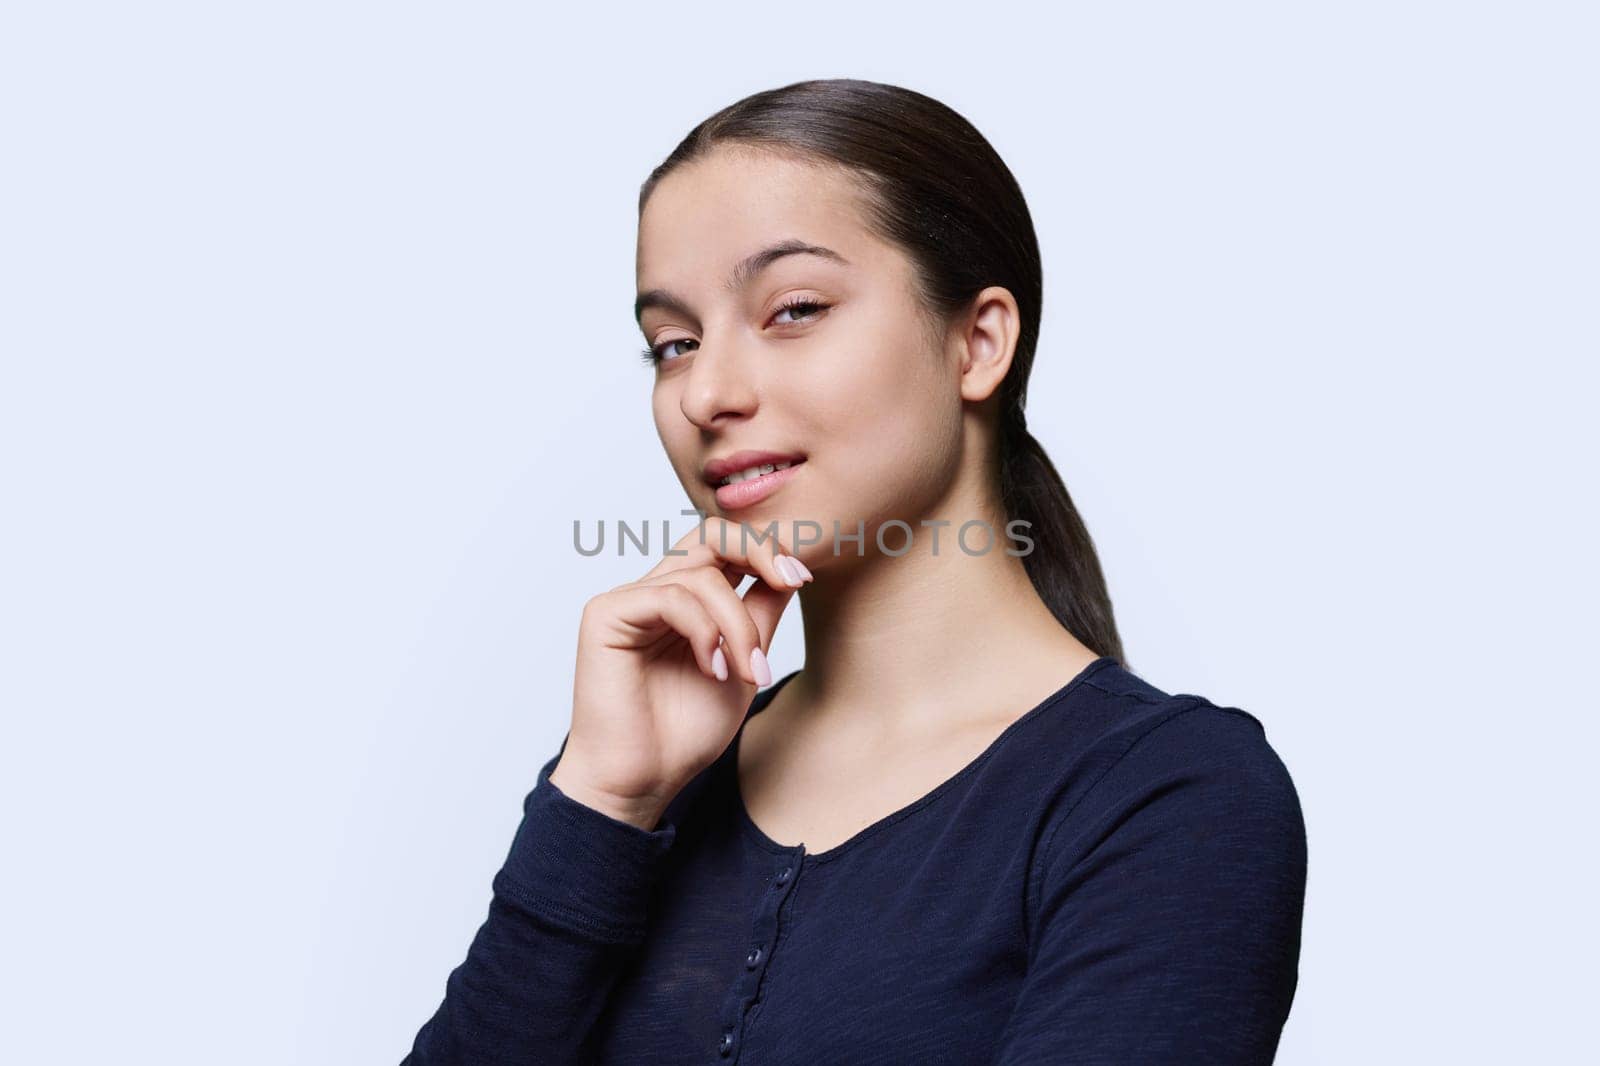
[[765, 927]]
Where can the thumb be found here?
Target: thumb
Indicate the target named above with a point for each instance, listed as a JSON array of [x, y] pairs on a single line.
[[766, 605]]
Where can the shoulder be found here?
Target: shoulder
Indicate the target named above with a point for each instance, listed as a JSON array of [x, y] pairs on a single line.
[[1172, 773], [1122, 729], [1188, 739]]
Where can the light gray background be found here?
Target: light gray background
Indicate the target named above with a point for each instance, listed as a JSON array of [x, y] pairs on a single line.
[[316, 339]]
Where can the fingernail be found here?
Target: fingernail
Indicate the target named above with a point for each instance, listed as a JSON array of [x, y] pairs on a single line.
[[786, 567], [805, 571], [719, 664], [759, 667]]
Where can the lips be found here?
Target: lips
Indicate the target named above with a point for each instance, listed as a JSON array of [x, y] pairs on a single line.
[[748, 462], [753, 490]]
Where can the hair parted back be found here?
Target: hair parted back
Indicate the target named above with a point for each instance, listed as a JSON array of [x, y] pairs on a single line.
[[937, 189]]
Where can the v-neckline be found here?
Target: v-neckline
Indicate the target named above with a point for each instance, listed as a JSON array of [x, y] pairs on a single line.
[[764, 699]]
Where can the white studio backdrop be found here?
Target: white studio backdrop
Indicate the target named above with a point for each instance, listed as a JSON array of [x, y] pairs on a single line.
[[315, 335]]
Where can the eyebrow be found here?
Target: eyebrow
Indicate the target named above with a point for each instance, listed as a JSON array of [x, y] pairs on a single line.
[[743, 273]]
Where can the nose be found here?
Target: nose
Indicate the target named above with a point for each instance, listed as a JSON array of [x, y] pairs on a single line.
[[718, 387]]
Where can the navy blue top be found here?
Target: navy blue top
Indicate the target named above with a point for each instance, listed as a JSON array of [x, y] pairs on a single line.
[[1118, 878]]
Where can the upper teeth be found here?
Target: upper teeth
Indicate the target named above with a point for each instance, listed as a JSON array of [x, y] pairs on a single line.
[[754, 471]]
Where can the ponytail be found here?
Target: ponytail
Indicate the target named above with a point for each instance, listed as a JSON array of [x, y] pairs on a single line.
[[1063, 565]]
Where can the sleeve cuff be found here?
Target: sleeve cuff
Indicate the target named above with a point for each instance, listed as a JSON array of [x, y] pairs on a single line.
[[581, 868]]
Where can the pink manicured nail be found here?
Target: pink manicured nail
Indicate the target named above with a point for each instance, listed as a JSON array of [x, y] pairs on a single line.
[[805, 571], [759, 667], [785, 567], [719, 664]]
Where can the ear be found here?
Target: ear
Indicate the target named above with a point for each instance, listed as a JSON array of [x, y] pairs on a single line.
[[988, 340]]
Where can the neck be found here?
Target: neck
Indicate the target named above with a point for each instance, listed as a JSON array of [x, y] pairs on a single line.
[[931, 632]]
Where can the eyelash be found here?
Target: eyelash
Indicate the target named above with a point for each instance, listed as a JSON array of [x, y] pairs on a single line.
[[793, 304]]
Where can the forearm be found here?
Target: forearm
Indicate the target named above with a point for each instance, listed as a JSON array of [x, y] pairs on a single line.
[[569, 907]]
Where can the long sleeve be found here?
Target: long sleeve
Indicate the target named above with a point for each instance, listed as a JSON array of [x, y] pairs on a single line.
[[1168, 905], [569, 905]]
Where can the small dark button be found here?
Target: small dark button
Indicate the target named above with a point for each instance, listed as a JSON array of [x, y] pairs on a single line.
[[727, 1042], [754, 957], [783, 876]]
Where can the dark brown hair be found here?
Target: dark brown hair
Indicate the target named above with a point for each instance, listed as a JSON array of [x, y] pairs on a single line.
[[937, 189]]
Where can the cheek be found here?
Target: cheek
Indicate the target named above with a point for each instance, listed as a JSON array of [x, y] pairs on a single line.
[[883, 418], [666, 428], [676, 433], [890, 380], [672, 425]]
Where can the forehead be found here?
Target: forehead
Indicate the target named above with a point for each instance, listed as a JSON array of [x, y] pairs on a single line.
[[708, 214]]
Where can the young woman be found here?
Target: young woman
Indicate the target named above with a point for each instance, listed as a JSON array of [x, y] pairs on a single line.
[[965, 832]]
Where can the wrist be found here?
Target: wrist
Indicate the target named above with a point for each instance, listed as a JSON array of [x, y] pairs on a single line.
[[641, 813]]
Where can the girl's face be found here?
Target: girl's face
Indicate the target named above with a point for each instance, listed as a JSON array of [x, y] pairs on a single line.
[[822, 357]]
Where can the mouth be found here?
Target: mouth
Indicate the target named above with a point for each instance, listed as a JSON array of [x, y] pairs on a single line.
[[744, 478], [748, 466], [760, 470]]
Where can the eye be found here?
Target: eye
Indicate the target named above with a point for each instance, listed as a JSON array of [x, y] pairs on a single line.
[[805, 307], [801, 303], [652, 354]]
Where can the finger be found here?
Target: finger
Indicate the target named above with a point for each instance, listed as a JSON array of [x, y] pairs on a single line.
[[646, 609], [740, 633], [737, 549], [765, 605], [694, 548], [760, 551]]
